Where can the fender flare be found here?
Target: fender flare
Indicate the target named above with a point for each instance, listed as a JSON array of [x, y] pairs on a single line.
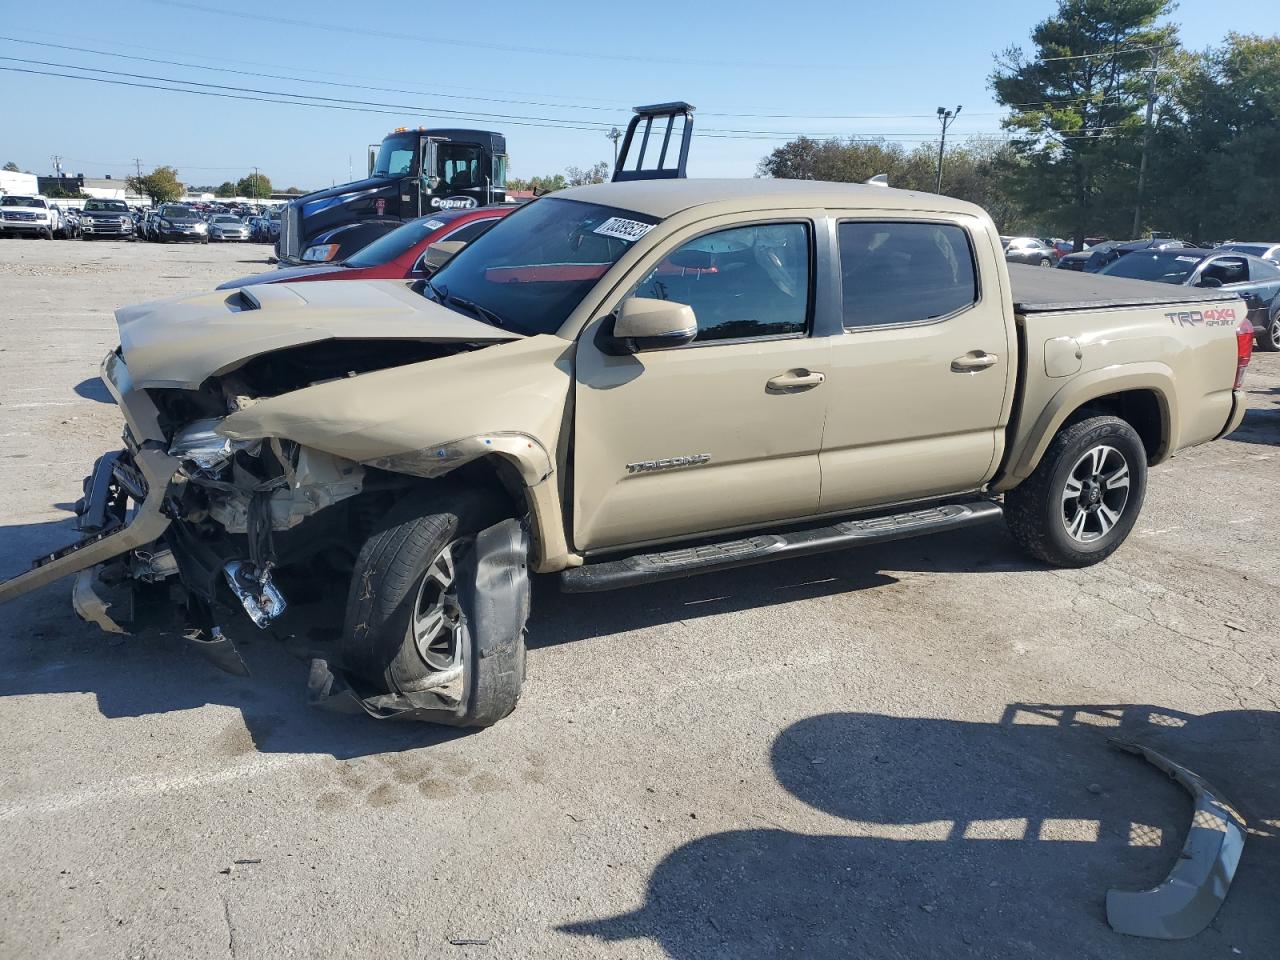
[[1154, 377]]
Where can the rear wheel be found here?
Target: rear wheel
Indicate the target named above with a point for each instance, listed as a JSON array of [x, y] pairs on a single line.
[[1269, 338], [1046, 262], [1084, 498], [404, 632]]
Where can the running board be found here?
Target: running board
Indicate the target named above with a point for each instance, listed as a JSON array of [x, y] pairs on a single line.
[[709, 558]]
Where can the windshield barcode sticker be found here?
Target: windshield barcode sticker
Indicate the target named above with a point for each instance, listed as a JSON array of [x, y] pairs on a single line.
[[623, 229], [434, 224]]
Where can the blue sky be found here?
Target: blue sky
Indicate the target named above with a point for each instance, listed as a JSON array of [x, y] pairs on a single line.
[[834, 68]]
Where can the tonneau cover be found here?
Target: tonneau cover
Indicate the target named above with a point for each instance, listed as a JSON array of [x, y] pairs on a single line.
[[1041, 290]]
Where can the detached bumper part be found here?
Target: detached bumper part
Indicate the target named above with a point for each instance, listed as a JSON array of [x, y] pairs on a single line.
[[146, 525], [1184, 903]]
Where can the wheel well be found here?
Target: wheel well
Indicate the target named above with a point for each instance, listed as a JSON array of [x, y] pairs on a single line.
[[1141, 409]]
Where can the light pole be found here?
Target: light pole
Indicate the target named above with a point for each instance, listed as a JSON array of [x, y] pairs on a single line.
[[946, 118], [1152, 74]]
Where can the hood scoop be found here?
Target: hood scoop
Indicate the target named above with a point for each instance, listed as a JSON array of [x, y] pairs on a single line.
[[181, 343]]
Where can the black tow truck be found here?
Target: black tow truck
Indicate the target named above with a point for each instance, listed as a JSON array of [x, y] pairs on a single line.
[[412, 173]]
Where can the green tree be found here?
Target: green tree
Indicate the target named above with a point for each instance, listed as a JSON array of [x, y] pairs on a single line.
[[1075, 109], [161, 185], [254, 185], [597, 173], [225, 189], [1213, 172], [295, 190], [12, 167]]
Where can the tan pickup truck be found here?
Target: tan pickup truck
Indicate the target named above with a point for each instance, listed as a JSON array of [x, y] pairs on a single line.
[[618, 384]]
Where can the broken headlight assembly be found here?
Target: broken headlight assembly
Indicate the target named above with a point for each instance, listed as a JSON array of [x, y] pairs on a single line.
[[199, 443]]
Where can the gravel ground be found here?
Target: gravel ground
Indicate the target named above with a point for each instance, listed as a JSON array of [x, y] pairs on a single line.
[[898, 752]]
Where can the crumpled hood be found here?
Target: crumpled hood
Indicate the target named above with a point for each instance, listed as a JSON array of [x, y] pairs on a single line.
[[181, 342]]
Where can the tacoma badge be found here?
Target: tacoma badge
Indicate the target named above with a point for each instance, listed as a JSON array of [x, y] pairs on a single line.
[[670, 463]]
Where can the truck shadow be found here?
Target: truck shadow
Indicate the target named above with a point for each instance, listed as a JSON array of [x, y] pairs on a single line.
[[558, 618], [44, 649], [1260, 426], [969, 840]]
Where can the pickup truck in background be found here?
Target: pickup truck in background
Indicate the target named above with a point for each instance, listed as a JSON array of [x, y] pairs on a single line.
[[618, 384], [29, 216]]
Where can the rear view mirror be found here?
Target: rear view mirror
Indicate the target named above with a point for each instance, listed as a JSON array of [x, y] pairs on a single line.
[[642, 323], [441, 252]]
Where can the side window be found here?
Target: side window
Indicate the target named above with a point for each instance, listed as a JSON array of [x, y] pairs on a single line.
[[1263, 270], [1227, 270], [744, 282], [470, 231], [904, 272]]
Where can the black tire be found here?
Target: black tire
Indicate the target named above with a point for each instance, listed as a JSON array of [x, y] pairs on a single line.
[[377, 639], [1039, 509], [48, 233], [1268, 341]]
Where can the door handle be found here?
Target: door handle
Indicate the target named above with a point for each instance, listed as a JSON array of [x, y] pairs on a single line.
[[794, 381], [973, 361]]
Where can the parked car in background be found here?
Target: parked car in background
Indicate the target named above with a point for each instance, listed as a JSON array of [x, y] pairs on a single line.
[[1063, 247], [398, 255], [1267, 251], [1030, 250], [1255, 280], [70, 217], [224, 226], [1091, 260], [32, 216], [1153, 243], [107, 218], [177, 221]]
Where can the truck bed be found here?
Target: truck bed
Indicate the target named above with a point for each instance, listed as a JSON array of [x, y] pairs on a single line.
[[1040, 290]]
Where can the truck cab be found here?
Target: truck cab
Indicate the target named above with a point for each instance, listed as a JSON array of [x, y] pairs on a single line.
[[411, 173]]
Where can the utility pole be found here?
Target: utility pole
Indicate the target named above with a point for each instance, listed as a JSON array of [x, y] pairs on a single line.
[[946, 118], [615, 135], [253, 185], [1146, 139], [57, 165]]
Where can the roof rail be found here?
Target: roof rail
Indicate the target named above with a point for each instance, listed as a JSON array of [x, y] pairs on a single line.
[[661, 170]]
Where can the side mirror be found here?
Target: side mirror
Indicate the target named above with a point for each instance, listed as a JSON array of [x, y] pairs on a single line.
[[431, 183], [440, 253], [1211, 283], [643, 323]]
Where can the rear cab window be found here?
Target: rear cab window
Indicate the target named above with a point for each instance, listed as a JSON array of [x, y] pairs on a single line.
[[904, 272]]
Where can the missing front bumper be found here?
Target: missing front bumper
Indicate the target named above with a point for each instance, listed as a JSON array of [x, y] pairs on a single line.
[[1187, 900]]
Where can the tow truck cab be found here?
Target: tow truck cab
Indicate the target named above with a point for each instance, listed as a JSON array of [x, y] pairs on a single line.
[[411, 173]]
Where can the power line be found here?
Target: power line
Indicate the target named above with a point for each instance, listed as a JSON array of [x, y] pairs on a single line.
[[256, 94]]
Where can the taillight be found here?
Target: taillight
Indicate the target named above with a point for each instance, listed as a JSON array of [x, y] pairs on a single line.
[[1244, 350]]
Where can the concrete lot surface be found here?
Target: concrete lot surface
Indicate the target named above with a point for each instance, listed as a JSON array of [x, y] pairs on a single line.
[[898, 752]]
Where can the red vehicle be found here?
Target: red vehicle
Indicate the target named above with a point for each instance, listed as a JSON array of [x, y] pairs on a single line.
[[397, 255]]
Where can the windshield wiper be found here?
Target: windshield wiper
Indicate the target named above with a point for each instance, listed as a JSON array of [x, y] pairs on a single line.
[[445, 298], [484, 313]]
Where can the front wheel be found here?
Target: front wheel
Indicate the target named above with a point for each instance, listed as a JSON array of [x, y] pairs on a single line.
[[1083, 499], [1269, 339], [1046, 262], [404, 632]]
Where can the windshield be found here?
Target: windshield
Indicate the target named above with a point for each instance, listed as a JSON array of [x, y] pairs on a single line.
[[21, 202], [115, 206], [395, 156], [391, 245], [177, 213], [533, 268], [226, 219], [1163, 266]]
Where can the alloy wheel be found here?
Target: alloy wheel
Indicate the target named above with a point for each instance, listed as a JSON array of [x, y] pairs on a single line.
[[437, 615], [1095, 494]]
